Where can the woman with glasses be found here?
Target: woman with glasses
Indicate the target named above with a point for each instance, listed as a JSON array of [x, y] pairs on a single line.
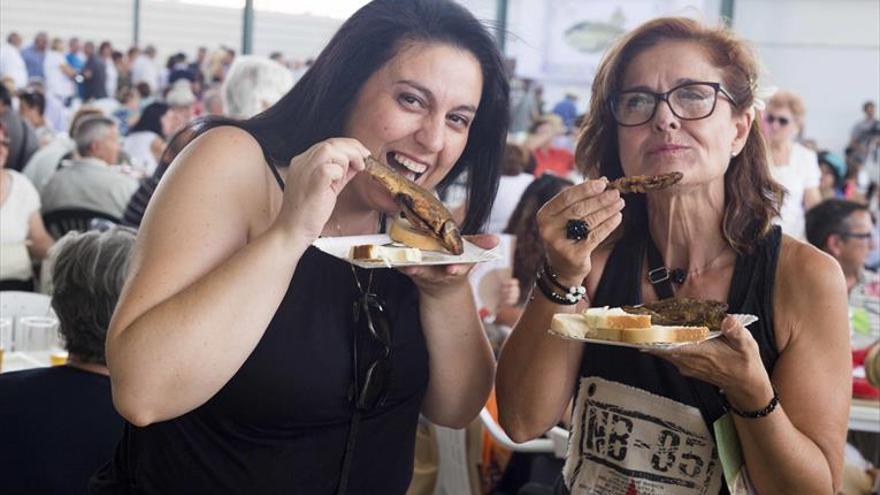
[[677, 96], [794, 166], [248, 361]]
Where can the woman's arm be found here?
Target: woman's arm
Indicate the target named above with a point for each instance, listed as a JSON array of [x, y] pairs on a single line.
[[39, 241], [462, 366], [537, 371], [210, 268], [798, 448]]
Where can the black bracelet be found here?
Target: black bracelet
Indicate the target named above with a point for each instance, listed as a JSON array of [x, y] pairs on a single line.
[[760, 413], [551, 275], [552, 295]]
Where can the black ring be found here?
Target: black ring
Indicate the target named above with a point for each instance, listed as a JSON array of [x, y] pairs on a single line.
[[576, 229]]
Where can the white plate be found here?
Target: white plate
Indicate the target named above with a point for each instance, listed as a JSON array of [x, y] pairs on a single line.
[[745, 320], [340, 247]]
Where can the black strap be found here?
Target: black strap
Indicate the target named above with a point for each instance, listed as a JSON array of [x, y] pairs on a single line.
[[349, 452], [709, 396], [275, 173]]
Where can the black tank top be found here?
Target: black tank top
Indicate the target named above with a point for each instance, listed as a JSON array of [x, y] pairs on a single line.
[[751, 292], [280, 424]]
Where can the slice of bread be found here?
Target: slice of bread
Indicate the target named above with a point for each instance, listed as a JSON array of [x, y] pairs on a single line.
[[385, 254], [569, 325], [615, 318], [660, 334], [403, 232], [576, 326]]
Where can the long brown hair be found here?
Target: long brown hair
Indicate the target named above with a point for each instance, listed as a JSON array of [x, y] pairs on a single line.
[[752, 198]]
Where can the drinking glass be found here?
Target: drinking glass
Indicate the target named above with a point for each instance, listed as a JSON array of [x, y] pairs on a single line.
[[36, 333]]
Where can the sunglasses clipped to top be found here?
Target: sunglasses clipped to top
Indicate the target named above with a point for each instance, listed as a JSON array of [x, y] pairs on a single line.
[[371, 322]]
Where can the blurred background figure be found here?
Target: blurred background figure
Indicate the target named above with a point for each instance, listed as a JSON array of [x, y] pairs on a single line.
[[146, 140], [34, 56], [91, 181], [59, 423], [12, 66], [529, 252], [43, 164], [833, 170], [212, 102], [793, 165], [94, 74], [541, 144], [144, 68], [22, 141], [32, 107], [524, 108], [514, 180], [23, 237], [129, 110], [567, 110], [111, 83], [253, 84], [59, 75]]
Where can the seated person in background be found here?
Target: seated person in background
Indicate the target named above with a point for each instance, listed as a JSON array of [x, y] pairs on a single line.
[[32, 106], [540, 143], [252, 85], [48, 159], [23, 142], [146, 140], [59, 423], [91, 181], [23, 237], [529, 252], [514, 180], [842, 229]]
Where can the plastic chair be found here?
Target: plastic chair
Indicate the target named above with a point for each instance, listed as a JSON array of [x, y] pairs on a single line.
[[555, 443], [62, 221]]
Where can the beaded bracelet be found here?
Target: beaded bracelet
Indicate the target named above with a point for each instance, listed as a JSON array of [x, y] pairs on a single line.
[[760, 413], [571, 295]]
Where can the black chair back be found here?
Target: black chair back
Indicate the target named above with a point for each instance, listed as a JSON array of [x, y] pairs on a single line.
[[60, 222]]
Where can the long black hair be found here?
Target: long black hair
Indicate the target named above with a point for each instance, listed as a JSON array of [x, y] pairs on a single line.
[[320, 104], [151, 119]]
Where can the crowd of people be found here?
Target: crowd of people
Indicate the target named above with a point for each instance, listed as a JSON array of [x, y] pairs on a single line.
[[242, 359]]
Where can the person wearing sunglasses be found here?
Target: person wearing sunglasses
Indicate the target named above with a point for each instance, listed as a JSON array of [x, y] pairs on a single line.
[[674, 95], [246, 360], [794, 166]]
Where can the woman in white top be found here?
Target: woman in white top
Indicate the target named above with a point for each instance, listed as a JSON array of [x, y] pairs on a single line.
[[795, 166], [22, 233], [146, 139]]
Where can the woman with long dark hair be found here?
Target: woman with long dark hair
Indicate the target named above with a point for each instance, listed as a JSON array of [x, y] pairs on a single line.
[[246, 360]]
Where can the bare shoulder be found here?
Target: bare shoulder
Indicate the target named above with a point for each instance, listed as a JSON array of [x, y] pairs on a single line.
[[809, 286], [805, 273]]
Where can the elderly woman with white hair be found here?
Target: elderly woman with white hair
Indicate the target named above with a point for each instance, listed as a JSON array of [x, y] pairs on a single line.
[[68, 407], [253, 84]]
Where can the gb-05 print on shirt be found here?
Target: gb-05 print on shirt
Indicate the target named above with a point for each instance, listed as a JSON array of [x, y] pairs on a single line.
[[625, 440]]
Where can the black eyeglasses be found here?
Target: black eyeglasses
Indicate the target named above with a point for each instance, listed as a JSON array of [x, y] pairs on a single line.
[[773, 118], [370, 318], [689, 101], [857, 235]]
